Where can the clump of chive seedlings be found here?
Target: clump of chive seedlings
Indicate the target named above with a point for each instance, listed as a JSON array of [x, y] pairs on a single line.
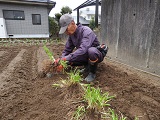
[[79, 113], [96, 100], [114, 116], [73, 78], [48, 52]]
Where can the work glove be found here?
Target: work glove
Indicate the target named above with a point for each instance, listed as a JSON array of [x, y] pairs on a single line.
[[57, 61], [59, 67], [103, 49]]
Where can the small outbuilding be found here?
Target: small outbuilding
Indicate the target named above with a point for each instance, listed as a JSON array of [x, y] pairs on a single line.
[[25, 18]]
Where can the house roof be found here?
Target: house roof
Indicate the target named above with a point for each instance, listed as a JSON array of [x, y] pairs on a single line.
[[48, 3], [38, 0], [23, 1], [87, 3], [41, 1]]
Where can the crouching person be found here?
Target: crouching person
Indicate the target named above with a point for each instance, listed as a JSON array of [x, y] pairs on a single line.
[[88, 51]]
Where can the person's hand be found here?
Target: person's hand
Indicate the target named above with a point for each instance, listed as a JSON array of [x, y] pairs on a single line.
[[64, 59], [56, 62], [59, 68]]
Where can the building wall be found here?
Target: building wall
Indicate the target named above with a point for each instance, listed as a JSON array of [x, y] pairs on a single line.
[[131, 28], [25, 28]]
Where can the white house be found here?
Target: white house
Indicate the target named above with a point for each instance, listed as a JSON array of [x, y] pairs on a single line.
[[82, 20], [88, 14]]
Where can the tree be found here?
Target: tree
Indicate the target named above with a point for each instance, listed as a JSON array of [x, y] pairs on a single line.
[[57, 16], [53, 27], [92, 23], [65, 10]]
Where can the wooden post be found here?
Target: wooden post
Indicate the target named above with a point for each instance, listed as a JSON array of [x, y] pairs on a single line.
[[96, 13], [77, 15]]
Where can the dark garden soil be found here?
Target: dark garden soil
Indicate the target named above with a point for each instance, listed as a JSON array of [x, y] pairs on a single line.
[[25, 96]]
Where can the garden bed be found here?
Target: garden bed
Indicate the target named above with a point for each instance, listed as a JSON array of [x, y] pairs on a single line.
[[25, 96]]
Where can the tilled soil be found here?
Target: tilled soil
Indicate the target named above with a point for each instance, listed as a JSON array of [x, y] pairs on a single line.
[[25, 96]]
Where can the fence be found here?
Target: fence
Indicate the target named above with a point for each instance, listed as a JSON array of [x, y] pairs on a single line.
[[131, 28]]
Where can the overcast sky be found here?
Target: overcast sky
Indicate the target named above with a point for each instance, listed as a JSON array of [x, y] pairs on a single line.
[[70, 3]]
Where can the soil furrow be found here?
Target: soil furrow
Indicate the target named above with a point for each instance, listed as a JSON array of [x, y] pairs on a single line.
[[19, 86], [28, 97], [10, 69], [7, 57]]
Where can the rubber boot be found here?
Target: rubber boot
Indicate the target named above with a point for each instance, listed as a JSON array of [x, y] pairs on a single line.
[[92, 72], [84, 70]]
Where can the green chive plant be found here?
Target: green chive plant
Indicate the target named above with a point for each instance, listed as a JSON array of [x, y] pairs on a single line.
[[95, 99], [136, 118], [79, 113], [64, 64], [114, 116], [73, 78], [49, 53], [57, 41], [59, 85]]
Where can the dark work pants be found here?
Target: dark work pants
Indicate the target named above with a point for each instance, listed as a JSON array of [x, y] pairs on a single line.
[[93, 54]]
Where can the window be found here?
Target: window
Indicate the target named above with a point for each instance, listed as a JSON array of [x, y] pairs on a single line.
[[13, 15], [36, 19]]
